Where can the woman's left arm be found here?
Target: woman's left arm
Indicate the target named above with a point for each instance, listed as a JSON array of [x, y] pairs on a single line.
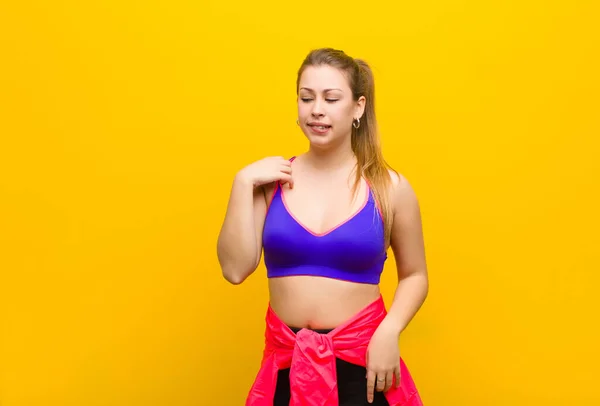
[[409, 252], [383, 361]]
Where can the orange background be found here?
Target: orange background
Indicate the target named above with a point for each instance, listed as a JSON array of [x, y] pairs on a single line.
[[123, 123]]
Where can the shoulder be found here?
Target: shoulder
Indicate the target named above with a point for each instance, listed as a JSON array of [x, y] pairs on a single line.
[[402, 194], [400, 184]]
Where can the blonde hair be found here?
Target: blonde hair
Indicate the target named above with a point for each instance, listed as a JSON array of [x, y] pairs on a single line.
[[365, 139]]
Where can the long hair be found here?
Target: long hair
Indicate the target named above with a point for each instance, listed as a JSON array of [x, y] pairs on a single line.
[[365, 139]]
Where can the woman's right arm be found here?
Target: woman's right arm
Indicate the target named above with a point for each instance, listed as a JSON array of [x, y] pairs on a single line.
[[239, 246]]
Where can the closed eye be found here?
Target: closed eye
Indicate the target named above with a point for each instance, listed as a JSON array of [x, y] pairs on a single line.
[[306, 100]]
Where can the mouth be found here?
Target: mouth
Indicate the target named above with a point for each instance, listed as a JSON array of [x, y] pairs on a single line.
[[319, 128]]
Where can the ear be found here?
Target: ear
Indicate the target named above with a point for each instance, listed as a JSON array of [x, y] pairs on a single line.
[[359, 110]]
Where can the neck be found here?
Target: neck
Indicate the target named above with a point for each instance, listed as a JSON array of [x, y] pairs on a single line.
[[334, 157]]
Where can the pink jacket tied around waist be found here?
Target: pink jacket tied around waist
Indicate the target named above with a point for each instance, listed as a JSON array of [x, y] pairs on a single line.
[[311, 359]]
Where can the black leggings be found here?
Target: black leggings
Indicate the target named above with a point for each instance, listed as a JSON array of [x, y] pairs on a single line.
[[351, 382]]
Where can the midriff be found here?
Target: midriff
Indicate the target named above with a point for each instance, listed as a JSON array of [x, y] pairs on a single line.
[[318, 302]]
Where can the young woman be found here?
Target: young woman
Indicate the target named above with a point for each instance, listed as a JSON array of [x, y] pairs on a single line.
[[325, 220]]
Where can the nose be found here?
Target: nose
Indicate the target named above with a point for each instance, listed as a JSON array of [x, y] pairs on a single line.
[[317, 110]]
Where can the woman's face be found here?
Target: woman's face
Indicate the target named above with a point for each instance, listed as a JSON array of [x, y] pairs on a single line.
[[326, 107]]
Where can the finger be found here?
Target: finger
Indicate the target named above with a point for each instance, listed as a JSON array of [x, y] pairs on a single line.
[[370, 385], [389, 379], [286, 169], [289, 180], [381, 378], [285, 178], [397, 376]]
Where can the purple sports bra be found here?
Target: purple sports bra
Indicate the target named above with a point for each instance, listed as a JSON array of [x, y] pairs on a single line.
[[352, 251]]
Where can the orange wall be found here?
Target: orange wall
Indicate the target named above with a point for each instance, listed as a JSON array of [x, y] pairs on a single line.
[[122, 124]]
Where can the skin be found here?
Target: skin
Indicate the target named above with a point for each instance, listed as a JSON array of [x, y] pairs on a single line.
[[317, 191]]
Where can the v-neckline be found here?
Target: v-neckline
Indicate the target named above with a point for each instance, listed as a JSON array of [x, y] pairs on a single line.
[[332, 229]]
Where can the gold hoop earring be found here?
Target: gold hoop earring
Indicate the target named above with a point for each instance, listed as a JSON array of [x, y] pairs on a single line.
[[356, 123], [298, 122]]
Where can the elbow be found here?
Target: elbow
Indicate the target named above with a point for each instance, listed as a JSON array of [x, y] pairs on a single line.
[[235, 274], [235, 270], [234, 278], [419, 282], [425, 286]]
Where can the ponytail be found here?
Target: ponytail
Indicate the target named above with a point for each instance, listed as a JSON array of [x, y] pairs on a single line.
[[367, 148]]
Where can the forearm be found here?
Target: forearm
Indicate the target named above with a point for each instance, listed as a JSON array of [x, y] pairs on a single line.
[[408, 299], [237, 246]]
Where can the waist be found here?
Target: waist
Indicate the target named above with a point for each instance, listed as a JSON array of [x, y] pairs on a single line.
[[313, 302], [354, 331]]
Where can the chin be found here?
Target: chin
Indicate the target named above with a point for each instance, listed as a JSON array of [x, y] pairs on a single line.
[[321, 142]]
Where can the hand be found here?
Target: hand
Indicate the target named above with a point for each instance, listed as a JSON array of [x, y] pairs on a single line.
[[383, 360], [268, 170]]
